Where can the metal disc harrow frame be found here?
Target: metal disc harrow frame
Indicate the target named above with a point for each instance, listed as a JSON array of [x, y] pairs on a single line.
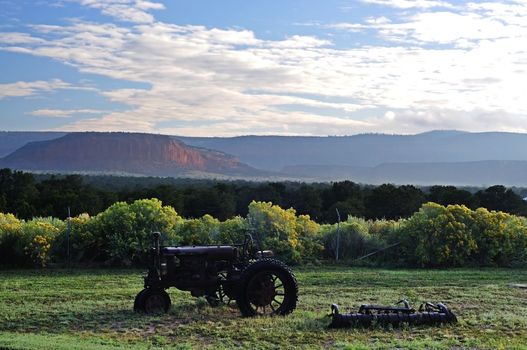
[[369, 315]]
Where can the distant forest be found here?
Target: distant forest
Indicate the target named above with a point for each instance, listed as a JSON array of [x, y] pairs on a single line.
[[29, 195]]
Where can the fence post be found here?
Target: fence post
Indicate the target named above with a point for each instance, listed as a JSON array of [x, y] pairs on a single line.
[[68, 238], [338, 235]]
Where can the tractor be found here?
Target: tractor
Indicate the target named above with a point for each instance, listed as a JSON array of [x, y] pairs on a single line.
[[257, 282]]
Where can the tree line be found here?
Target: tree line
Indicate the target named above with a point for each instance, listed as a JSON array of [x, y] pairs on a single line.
[[27, 195]]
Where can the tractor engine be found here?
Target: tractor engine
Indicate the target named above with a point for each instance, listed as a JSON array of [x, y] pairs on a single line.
[[196, 268]]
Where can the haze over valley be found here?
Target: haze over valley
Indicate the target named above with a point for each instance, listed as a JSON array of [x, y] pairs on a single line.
[[439, 157]]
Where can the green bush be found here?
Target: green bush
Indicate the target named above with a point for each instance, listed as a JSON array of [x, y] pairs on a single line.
[[311, 246], [232, 231], [27, 243], [355, 239], [438, 236], [38, 235], [83, 243], [123, 232], [384, 230], [435, 236], [501, 238], [204, 230]]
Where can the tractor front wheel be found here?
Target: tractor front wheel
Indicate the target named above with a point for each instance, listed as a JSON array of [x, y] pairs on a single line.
[[152, 301]]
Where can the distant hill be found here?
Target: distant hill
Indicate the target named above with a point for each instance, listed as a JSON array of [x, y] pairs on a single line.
[[130, 153], [10, 141], [368, 150], [480, 173]]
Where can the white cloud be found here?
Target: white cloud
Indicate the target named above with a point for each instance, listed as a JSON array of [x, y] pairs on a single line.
[[298, 42], [414, 121], [125, 10], [407, 4], [23, 88], [463, 29], [64, 113], [18, 38], [378, 20]]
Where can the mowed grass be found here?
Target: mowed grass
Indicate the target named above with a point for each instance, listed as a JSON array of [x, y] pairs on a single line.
[[92, 309]]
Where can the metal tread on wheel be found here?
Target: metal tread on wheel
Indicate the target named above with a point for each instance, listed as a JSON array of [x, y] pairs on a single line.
[[268, 287]]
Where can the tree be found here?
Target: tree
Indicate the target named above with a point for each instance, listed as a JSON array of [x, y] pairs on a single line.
[[390, 202], [215, 201], [502, 199], [308, 201], [446, 195], [18, 194], [409, 200], [59, 193], [347, 197]]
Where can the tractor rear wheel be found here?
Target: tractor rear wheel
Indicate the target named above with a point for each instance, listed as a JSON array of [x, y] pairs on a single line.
[[268, 287]]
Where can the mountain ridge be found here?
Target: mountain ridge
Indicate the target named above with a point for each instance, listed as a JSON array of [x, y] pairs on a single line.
[[475, 173], [276, 152], [128, 152]]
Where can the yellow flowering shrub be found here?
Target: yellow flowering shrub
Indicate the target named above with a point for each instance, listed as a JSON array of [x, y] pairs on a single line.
[[39, 233], [38, 250], [290, 237], [501, 237], [11, 245], [232, 231], [438, 236], [123, 231], [204, 230]]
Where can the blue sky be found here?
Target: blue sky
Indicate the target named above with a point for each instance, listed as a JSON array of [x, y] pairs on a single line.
[[224, 68]]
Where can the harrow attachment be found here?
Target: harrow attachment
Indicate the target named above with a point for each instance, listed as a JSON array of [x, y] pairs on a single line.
[[369, 315]]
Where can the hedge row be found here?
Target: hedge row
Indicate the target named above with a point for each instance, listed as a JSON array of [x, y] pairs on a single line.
[[435, 236]]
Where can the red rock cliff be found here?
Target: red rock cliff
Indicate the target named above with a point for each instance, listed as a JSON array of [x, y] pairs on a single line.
[[126, 152]]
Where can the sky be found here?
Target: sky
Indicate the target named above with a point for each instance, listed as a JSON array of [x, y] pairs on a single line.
[[274, 67]]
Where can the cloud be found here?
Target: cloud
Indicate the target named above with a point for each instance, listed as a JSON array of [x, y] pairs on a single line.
[[63, 113], [463, 29], [407, 4], [19, 38], [125, 10], [469, 74], [414, 121], [23, 88]]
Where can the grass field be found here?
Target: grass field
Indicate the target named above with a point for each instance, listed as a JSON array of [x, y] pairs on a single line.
[[92, 309]]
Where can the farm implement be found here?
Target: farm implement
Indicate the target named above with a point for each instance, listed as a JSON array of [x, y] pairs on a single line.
[[370, 315]]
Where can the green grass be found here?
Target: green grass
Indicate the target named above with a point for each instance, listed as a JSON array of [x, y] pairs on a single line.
[[92, 309]]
